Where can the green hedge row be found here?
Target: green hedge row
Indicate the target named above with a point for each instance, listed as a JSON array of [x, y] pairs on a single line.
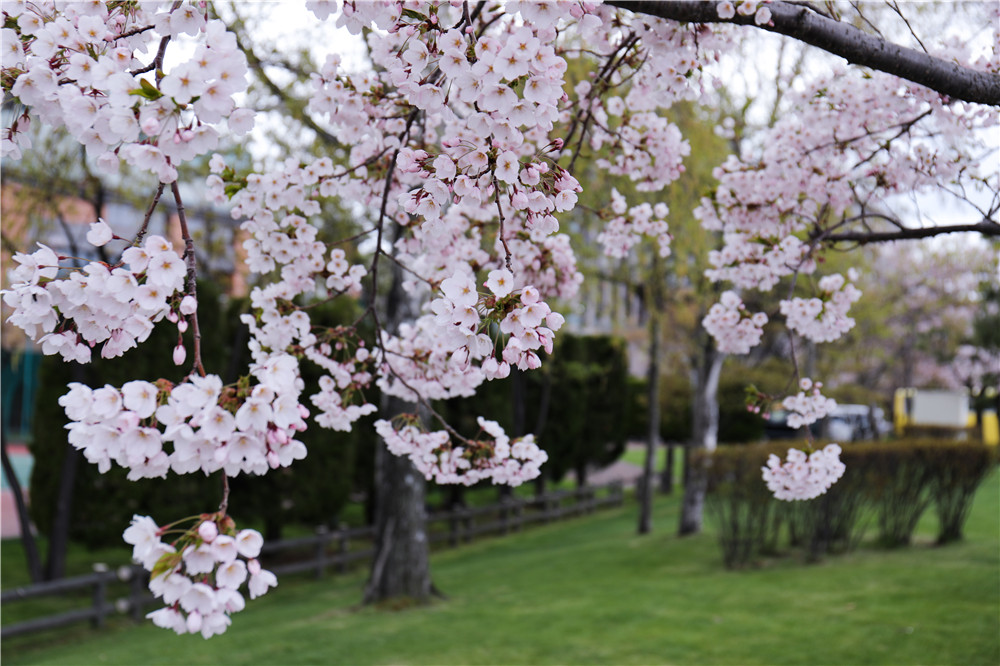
[[889, 484]]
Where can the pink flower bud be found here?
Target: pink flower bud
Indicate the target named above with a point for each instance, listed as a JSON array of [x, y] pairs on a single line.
[[179, 354], [182, 325], [253, 566], [208, 531]]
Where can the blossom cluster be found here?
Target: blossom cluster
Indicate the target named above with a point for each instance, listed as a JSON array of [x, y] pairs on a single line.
[[209, 427], [823, 318], [492, 456], [849, 139], [622, 232], [454, 344], [761, 14], [113, 305], [803, 477], [808, 405], [735, 330], [199, 575], [78, 68]]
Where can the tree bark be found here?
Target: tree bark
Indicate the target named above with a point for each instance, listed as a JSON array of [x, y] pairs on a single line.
[[401, 568], [646, 486], [705, 434], [55, 561], [34, 561], [667, 476], [798, 21]]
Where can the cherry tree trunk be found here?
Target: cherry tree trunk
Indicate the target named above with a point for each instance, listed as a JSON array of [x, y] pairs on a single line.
[[27, 538], [401, 568], [653, 434], [667, 475], [705, 435]]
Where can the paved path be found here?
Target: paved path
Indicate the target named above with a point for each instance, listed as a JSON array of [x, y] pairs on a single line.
[[626, 472]]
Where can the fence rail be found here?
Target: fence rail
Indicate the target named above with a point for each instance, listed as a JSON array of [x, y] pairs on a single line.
[[316, 553]]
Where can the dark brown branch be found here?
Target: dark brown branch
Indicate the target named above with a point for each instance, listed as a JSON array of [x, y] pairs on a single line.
[[500, 233], [192, 276], [842, 39], [157, 65], [985, 227]]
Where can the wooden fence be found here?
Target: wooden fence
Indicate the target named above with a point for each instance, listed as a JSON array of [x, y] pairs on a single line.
[[337, 549]]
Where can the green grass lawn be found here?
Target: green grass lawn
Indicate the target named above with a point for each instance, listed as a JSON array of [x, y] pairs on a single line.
[[590, 590]]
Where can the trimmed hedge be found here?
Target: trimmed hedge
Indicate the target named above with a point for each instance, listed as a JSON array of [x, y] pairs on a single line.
[[890, 483]]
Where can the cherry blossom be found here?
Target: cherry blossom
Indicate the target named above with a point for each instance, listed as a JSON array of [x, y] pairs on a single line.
[[802, 476], [808, 405], [199, 574]]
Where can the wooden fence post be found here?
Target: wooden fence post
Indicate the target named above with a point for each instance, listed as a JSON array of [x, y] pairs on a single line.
[[467, 524], [100, 594], [343, 544], [132, 574], [322, 537], [453, 528]]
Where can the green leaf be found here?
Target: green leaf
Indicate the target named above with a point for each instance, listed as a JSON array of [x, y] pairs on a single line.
[[413, 14], [147, 90]]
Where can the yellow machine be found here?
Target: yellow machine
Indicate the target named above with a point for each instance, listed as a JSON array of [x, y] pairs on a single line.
[[941, 409]]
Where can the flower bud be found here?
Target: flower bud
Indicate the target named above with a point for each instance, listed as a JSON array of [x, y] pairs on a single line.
[[179, 354], [208, 531]]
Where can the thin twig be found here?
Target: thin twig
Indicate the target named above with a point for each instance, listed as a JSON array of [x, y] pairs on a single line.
[[225, 494], [157, 63], [149, 215], [192, 276], [503, 241]]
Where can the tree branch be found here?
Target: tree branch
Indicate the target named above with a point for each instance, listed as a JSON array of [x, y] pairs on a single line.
[[844, 40], [192, 276], [985, 227], [295, 107]]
